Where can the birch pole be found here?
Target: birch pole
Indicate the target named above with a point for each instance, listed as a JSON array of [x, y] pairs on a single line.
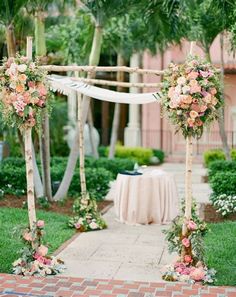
[[188, 183], [29, 159], [81, 150]]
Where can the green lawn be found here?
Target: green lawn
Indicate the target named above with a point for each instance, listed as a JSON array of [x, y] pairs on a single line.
[[221, 252], [56, 230]]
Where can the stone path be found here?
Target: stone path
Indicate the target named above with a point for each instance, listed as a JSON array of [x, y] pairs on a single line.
[[16, 286], [121, 251], [135, 253]]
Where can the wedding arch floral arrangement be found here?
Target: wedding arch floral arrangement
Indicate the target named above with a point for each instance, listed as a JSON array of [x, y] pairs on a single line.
[[191, 95], [87, 216], [189, 268], [23, 92], [34, 258]]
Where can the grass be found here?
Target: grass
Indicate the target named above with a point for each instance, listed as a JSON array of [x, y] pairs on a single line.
[[221, 252], [56, 230]]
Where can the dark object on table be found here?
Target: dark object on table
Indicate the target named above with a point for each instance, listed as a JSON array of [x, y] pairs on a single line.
[[126, 172]]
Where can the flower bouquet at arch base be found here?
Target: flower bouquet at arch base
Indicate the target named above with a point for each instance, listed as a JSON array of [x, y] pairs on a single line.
[[191, 96], [34, 259]]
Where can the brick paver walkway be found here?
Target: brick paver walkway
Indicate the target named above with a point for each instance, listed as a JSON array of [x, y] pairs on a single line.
[[16, 286]]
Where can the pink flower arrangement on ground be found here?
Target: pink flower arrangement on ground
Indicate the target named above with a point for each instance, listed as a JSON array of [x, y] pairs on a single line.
[[191, 95], [23, 92], [34, 258]]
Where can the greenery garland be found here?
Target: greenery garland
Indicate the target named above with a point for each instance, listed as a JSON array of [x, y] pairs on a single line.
[[23, 92], [191, 95]]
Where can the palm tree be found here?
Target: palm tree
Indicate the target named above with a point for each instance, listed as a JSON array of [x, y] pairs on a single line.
[[9, 10], [100, 11]]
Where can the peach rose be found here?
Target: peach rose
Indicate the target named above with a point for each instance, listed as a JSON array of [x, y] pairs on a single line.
[[27, 236], [203, 108], [192, 75], [207, 98], [197, 274], [193, 114], [195, 107], [186, 99], [171, 92], [22, 77], [20, 88], [214, 101], [184, 106], [198, 123], [213, 91], [190, 122], [195, 89], [42, 250]]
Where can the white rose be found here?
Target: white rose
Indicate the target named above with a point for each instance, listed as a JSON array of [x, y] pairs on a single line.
[[22, 67], [93, 225], [186, 89], [181, 80]]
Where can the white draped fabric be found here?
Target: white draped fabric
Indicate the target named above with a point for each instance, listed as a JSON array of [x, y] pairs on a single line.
[[66, 85]]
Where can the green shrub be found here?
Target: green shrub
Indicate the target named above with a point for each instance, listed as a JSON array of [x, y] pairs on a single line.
[[159, 154], [221, 166], [102, 151], [138, 154], [213, 155], [223, 183], [233, 154]]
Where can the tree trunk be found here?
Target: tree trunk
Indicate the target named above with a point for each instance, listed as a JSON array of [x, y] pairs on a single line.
[[91, 134], [40, 46], [40, 43], [221, 121], [11, 42], [81, 150], [72, 160], [116, 117], [73, 157], [30, 177]]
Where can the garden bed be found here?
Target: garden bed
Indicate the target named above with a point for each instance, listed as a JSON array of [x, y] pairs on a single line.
[[209, 214], [62, 207]]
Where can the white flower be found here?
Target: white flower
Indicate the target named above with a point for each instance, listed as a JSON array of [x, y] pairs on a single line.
[[17, 262], [186, 89], [181, 80], [93, 225], [22, 67]]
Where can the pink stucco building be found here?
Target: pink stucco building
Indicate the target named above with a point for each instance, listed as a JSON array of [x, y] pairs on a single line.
[[156, 132]]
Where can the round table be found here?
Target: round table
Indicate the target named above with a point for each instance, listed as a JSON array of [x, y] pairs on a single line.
[[148, 198]]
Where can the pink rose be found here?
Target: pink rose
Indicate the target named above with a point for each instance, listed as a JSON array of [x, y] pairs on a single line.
[[198, 123], [195, 107], [31, 84], [186, 242], [191, 225], [42, 250], [171, 92], [192, 75], [27, 236], [40, 224], [188, 259], [207, 98], [77, 226], [40, 103], [203, 108], [197, 274], [204, 73]]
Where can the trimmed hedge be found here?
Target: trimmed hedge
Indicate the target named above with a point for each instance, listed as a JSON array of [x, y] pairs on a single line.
[[221, 166], [99, 173], [223, 183], [213, 155]]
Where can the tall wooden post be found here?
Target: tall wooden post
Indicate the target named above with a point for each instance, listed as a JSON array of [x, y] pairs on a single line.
[[29, 160]]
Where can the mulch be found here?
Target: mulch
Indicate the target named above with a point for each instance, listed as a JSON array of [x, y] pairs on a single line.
[[62, 207]]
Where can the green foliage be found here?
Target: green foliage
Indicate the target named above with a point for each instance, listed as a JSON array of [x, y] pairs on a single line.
[[87, 217], [102, 150], [58, 144], [221, 166], [159, 154], [223, 183], [220, 252], [213, 155], [233, 154], [43, 202], [138, 154], [56, 233], [71, 40]]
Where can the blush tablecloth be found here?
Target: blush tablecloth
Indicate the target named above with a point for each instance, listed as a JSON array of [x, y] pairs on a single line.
[[144, 199]]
